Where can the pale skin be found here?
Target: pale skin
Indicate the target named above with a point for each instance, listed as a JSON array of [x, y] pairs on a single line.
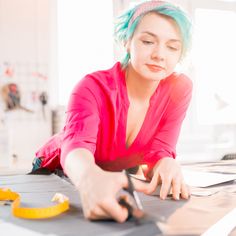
[[155, 49]]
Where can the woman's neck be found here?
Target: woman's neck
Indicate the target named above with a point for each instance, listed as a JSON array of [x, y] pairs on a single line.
[[139, 88]]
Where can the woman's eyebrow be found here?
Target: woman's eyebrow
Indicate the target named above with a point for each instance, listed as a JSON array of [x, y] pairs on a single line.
[[154, 35], [175, 41], [149, 33]]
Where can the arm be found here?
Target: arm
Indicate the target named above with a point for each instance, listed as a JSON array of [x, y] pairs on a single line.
[[77, 164], [162, 167], [97, 202], [97, 188]]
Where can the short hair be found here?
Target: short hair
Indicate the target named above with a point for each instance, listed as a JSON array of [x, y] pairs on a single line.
[[127, 23]]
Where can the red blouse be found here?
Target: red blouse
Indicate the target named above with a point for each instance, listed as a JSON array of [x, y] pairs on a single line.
[[97, 118]]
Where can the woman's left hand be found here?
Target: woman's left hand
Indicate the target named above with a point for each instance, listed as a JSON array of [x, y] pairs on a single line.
[[167, 173]]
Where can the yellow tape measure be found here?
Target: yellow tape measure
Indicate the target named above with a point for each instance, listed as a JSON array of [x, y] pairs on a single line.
[[34, 213]]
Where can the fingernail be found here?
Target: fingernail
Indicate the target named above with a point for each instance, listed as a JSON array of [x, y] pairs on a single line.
[[186, 196], [176, 197]]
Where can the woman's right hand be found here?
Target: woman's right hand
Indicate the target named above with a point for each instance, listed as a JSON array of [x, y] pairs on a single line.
[[98, 188], [98, 194]]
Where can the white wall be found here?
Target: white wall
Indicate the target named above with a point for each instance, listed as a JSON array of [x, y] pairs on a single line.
[[25, 48], [85, 41]]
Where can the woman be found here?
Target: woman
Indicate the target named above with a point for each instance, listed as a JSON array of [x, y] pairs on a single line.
[[129, 115]]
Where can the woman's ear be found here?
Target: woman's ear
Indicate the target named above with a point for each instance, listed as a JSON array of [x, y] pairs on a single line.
[[127, 46]]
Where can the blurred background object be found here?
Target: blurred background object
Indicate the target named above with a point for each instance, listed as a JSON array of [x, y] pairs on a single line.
[[47, 46]]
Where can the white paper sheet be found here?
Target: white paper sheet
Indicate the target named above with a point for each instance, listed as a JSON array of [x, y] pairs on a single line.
[[205, 179]]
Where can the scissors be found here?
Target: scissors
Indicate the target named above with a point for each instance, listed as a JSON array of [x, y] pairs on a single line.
[[133, 211]]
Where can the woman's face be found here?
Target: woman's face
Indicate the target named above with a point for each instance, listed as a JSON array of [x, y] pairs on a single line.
[[155, 47]]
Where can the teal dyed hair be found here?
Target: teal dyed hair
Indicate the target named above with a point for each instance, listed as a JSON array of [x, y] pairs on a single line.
[[124, 31]]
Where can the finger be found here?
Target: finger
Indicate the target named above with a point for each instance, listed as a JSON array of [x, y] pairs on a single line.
[[139, 185], [176, 188], [97, 213], [94, 211], [115, 210], [156, 180], [185, 191], [165, 187]]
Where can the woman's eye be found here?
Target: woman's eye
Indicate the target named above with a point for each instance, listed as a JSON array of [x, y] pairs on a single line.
[[147, 42], [173, 48]]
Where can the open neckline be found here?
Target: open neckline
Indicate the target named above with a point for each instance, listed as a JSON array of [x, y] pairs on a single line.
[[125, 117], [142, 127]]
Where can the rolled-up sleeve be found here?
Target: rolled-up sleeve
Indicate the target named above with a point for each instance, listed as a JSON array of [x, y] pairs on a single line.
[[82, 122], [165, 139]]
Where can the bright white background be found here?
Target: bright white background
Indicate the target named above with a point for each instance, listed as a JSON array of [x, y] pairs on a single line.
[[85, 41]]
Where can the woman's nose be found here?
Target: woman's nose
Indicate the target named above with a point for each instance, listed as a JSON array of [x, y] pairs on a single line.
[[158, 53]]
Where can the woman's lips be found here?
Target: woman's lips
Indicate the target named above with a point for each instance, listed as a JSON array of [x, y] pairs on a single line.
[[155, 68]]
